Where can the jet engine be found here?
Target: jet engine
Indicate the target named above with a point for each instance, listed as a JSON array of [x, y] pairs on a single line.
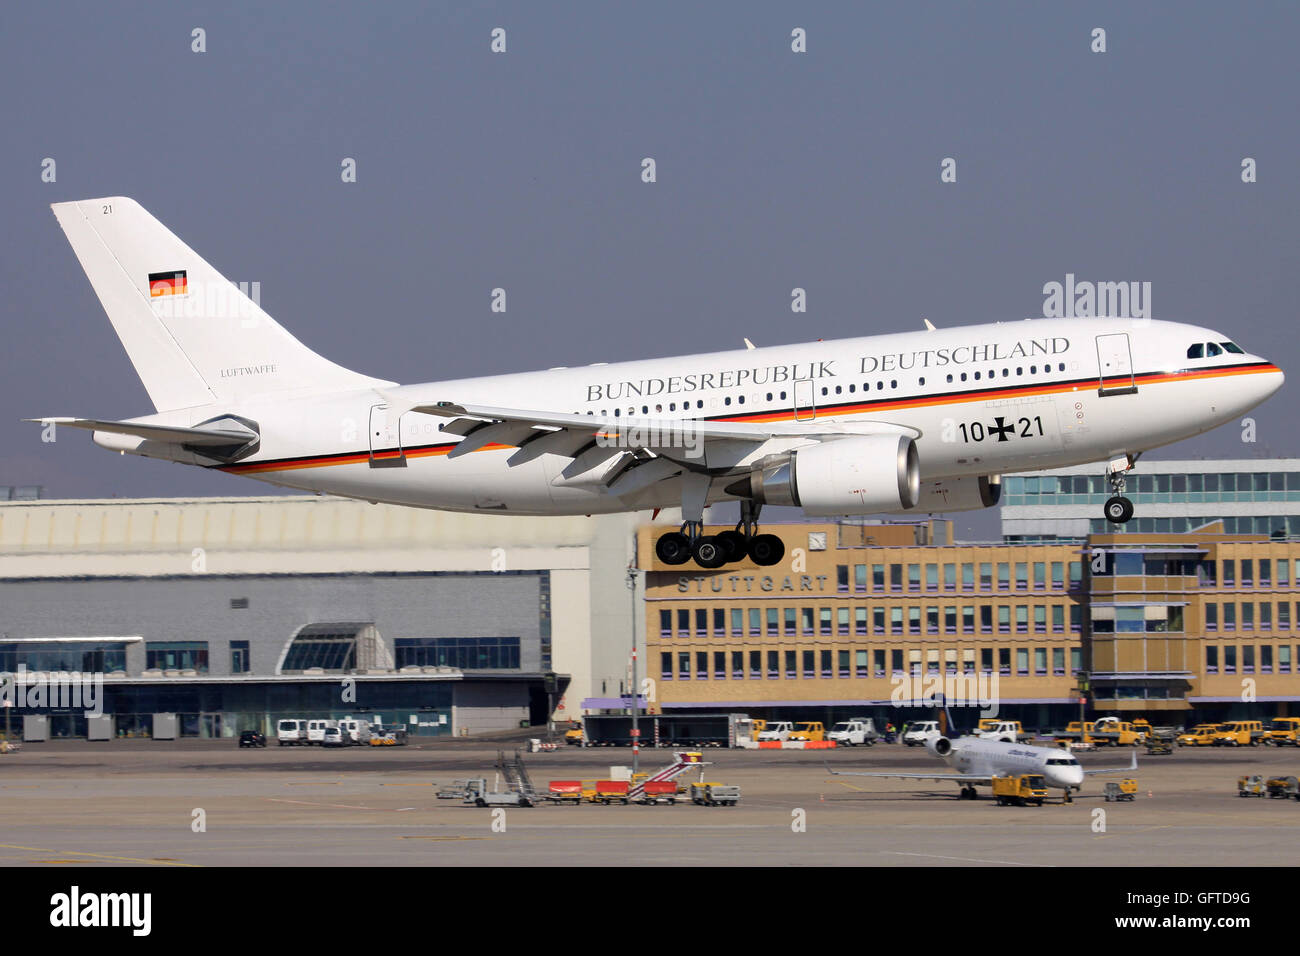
[[968, 493], [843, 476], [939, 746]]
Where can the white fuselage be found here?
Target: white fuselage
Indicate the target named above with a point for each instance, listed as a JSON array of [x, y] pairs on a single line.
[[993, 758], [984, 399]]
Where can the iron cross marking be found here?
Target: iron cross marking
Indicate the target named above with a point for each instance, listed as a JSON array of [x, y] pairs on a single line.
[[1001, 429]]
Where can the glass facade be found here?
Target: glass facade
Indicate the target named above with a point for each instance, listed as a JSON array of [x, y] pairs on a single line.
[[86, 657], [462, 653]]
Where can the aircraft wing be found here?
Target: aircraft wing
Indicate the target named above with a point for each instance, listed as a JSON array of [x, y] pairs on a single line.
[[1131, 767], [955, 777], [174, 434]]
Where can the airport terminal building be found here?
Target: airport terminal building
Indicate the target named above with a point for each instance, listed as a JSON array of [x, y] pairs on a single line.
[[1179, 627], [234, 612]]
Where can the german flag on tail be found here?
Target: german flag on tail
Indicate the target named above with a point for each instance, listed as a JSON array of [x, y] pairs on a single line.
[[167, 283]]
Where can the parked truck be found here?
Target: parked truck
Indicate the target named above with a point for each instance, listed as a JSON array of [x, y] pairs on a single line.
[[291, 733], [1007, 731], [857, 732], [920, 731], [1283, 732], [776, 730], [1117, 733]]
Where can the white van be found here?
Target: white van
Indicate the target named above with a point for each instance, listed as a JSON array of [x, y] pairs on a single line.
[[356, 731], [291, 733], [334, 737], [920, 731], [316, 730]]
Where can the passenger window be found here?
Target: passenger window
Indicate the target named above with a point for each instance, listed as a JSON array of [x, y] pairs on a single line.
[[1196, 351], [1212, 350]]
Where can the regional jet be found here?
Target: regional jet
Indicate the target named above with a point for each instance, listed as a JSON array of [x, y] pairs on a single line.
[[908, 423], [978, 761]]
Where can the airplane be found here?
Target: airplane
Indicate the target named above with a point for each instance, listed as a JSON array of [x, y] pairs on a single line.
[[978, 761], [908, 423]]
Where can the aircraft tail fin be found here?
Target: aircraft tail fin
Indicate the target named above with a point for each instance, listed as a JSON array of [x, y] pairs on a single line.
[[192, 335]]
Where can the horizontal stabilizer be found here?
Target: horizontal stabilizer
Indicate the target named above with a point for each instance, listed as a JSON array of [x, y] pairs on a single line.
[[229, 434]]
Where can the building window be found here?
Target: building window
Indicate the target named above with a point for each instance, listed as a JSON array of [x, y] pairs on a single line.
[[986, 576], [1230, 659], [968, 577], [1211, 616], [1058, 574], [1229, 573], [842, 577], [790, 671], [683, 622], [825, 663], [968, 619], [755, 621], [950, 620], [859, 577], [1265, 572], [842, 658], [950, 577], [896, 661], [1266, 615], [85, 657], [684, 665], [860, 620], [773, 665], [1229, 616], [824, 621], [773, 621], [239, 662], [1004, 661], [1247, 573], [737, 620], [806, 614], [877, 663], [986, 660], [1022, 661], [913, 620], [1058, 661], [878, 577], [789, 627], [932, 620], [719, 665], [1004, 619], [895, 577], [462, 653], [1004, 576], [1248, 659], [1284, 658], [702, 621], [1022, 576], [1058, 619], [842, 621], [1040, 575], [1022, 618], [665, 623], [932, 577], [1266, 659], [878, 620], [914, 577], [665, 665], [755, 665], [179, 655], [701, 665], [719, 621], [1284, 615]]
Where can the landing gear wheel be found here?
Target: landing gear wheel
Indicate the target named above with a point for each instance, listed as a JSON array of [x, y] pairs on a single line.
[[733, 543], [709, 552], [673, 548], [766, 550], [967, 793], [1118, 510]]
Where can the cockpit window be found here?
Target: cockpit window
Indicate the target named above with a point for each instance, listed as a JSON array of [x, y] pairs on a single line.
[[1233, 347], [1196, 351], [1212, 350]]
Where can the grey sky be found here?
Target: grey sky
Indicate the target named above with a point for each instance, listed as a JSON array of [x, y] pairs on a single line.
[[521, 170]]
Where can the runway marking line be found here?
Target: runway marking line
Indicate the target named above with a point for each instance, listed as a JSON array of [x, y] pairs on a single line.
[[963, 859], [98, 856]]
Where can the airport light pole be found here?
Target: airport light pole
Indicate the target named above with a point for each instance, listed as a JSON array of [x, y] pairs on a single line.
[[636, 730]]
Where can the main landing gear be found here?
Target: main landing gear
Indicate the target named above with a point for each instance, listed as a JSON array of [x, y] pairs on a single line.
[[727, 547], [1118, 509], [968, 793]]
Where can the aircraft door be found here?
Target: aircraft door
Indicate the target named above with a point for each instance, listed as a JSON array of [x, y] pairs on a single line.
[[1115, 364], [385, 440], [805, 407]]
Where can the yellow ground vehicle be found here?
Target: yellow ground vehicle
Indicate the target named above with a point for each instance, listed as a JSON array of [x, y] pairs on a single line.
[[1126, 789], [1202, 735], [1022, 790], [1283, 732], [573, 735], [1120, 733], [808, 730], [1237, 733]]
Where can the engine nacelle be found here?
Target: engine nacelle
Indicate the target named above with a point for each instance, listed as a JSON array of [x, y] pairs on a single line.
[[939, 746], [843, 476], [967, 493]]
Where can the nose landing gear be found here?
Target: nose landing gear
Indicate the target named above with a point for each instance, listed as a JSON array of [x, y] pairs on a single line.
[[1118, 509]]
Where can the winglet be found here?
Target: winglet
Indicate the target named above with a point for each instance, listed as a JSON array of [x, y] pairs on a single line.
[[750, 345], [928, 324]]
